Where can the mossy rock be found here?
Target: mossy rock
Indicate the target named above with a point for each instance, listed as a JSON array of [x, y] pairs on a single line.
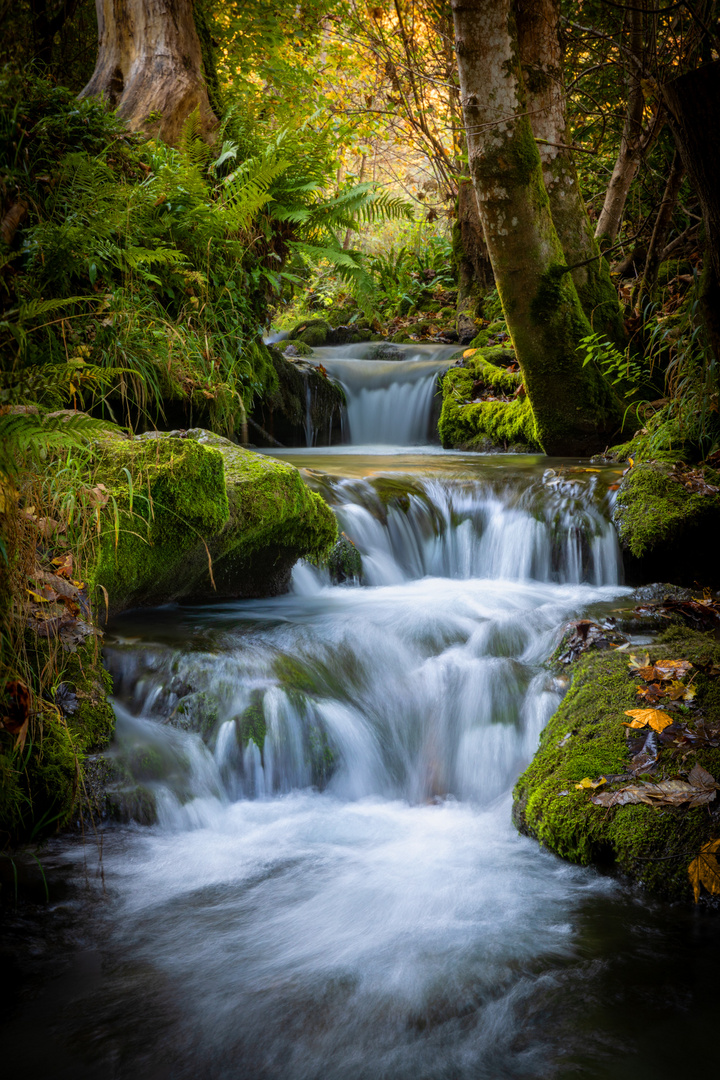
[[652, 845], [344, 561], [401, 338], [284, 413], [312, 332], [484, 425], [298, 348], [667, 532], [203, 517]]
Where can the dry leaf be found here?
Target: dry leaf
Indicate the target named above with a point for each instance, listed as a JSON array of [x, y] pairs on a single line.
[[652, 693], [705, 870], [656, 718]]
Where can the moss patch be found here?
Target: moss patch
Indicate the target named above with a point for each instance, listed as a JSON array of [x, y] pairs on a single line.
[[667, 532], [484, 424], [586, 738]]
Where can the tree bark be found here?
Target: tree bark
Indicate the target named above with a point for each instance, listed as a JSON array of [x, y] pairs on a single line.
[[538, 23], [693, 103], [149, 66], [635, 141], [575, 410]]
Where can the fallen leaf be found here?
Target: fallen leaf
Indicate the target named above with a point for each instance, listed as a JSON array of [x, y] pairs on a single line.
[[64, 564], [673, 669], [469, 352], [652, 693], [677, 691], [656, 718], [705, 870], [588, 783], [700, 777], [636, 664]]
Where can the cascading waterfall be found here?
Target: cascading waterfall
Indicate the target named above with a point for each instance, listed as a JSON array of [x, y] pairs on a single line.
[[333, 889], [388, 401]]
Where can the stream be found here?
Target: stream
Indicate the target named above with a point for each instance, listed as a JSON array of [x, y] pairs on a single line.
[[340, 894]]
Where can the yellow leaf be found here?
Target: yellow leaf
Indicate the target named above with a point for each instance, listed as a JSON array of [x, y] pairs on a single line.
[[656, 718], [588, 783], [37, 597], [636, 663], [705, 870], [469, 352]]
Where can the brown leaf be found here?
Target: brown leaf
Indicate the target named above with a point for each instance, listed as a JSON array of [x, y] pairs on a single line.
[[64, 564], [705, 870], [656, 718], [700, 777], [652, 693], [673, 669], [17, 719]]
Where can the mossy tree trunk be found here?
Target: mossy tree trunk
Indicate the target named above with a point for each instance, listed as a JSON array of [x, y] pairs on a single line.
[[575, 409], [538, 24], [149, 65]]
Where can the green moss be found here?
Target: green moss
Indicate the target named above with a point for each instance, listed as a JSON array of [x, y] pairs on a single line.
[[483, 425], [199, 505], [654, 511], [40, 785], [344, 561], [252, 726], [313, 332], [586, 738]]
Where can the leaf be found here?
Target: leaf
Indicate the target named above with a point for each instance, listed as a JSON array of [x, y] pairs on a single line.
[[705, 870], [468, 353], [64, 564], [664, 793], [46, 595], [656, 718], [635, 664], [674, 669], [677, 691], [652, 693], [700, 777], [588, 783]]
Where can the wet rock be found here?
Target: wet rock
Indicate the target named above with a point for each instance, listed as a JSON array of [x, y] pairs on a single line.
[[305, 409], [344, 561], [386, 350], [584, 635]]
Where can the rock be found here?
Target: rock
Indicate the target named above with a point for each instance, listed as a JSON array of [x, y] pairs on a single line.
[[386, 350], [344, 561], [668, 525], [298, 348], [312, 332], [305, 403], [467, 328], [586, 740], [204, 518]]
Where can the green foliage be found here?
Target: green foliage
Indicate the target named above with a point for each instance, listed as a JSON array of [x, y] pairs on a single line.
[[617, 367], [137, 284]]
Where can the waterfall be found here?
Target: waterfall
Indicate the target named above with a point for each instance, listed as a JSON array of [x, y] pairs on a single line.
[[419, 684], [388, 401]]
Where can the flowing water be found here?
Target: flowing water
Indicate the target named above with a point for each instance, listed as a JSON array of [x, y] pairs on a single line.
[[333, 889]]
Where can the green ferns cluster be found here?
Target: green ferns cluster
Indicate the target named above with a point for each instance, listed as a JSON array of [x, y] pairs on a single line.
[[138, 276]]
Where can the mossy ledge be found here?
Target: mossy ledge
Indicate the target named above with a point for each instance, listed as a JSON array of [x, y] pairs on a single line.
[[489, 424], [667, 532], [653, 846], [192, 515]]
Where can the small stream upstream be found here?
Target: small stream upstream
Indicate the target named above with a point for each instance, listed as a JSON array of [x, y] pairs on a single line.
[[345, 897]]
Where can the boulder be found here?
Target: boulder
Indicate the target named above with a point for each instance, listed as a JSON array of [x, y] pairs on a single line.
[[640, 800], [192, 516], [668, 519]]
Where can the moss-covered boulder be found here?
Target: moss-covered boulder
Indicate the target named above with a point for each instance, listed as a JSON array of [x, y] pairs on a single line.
[[194, 516], [480, 411], [586, 740], [312, 332], [668, 522]]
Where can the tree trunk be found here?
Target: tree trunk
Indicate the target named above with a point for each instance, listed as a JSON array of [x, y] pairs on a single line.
[[693, 103], [475, 276], [149, 65], [635, 141], [575, 409], [538, 23], [661, 227]]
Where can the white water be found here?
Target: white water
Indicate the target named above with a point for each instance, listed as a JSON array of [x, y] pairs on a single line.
[[388, 401], [347, 898]]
